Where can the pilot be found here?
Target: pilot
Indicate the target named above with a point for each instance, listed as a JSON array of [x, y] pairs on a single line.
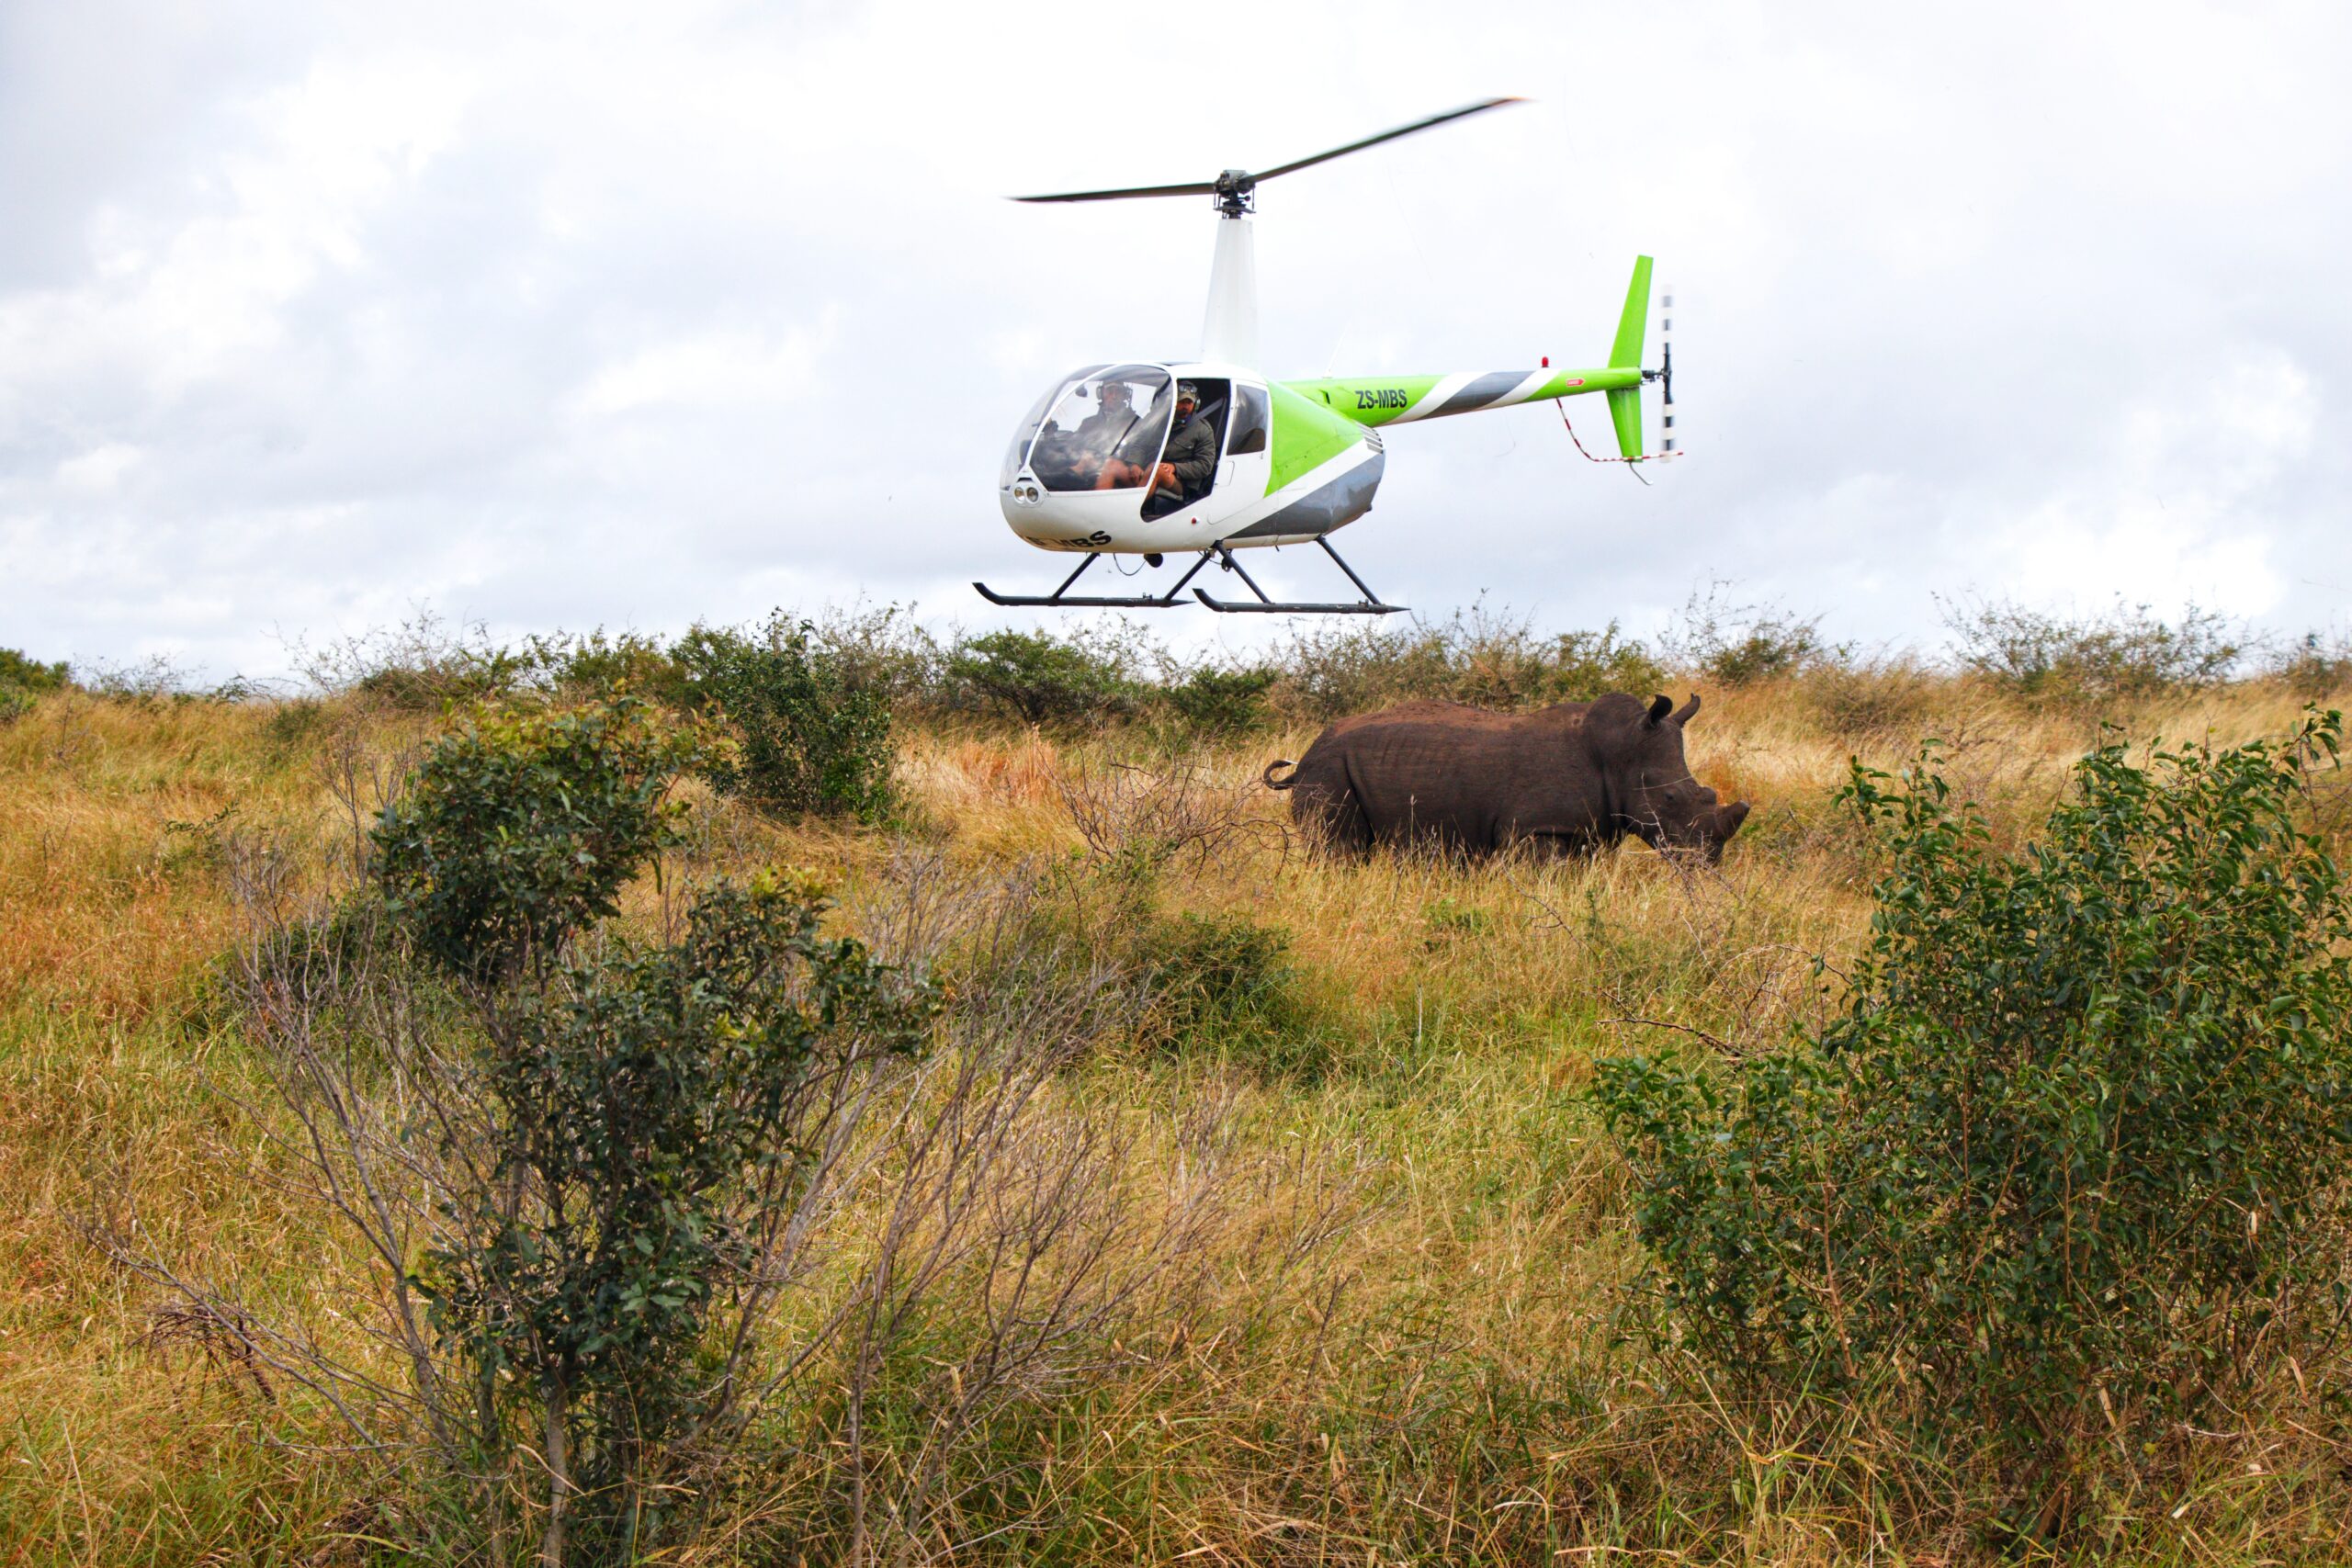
[[1184, 466], [1099, 434]]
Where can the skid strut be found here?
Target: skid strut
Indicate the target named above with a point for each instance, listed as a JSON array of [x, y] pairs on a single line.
[[1059, 598], [1369, 606], [1062, 599]]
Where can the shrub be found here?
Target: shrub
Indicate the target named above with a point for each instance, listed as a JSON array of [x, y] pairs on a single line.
[[810, 736], [2312, 667], [597, 665], [1739, 645], [521, 829], [423, 665], [1212, 702], [1043, 680], [2123, 654], [645, 1124], [2071, 1153], [30, 675], [1488, 659]]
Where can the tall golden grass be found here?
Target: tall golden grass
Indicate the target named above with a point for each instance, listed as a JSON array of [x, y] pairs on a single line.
[[1409, 1331]]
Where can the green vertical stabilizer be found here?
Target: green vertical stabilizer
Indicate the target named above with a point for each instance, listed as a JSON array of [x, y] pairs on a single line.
[[1625, 402]]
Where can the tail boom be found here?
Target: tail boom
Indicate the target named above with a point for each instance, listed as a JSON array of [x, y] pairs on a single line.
[[1401, 400]]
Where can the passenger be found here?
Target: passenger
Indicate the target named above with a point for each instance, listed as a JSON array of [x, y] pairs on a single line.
[[1184, 468]]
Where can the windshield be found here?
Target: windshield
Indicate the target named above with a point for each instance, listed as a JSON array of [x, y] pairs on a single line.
[[1104, 430], [1016, 454]]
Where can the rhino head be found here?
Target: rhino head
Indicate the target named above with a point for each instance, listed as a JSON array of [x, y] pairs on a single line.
[[1661, 803]]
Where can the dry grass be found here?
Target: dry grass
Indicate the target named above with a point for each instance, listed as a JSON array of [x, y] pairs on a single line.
[[1398, 1335]]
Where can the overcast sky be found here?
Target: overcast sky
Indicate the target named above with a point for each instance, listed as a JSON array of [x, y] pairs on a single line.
[[580, 314]]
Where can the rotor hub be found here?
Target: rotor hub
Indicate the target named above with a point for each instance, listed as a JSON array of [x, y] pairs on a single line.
[[1236, 193]]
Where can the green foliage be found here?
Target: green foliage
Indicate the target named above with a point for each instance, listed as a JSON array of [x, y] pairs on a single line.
[[812, 734], [597, 664], [2073, 1148], [653, 1114], [29, 676], [1211, 702], [1486, 658], [521, 829], [2122, 656], [1044, 680]]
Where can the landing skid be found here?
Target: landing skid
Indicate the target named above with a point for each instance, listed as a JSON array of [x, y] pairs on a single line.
[[1061, 598], [1369, 605]]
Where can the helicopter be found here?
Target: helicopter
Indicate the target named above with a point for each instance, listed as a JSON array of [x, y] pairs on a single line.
[[1090, 470]]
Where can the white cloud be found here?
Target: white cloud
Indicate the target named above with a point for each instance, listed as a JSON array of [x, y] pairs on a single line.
[[98, 471], [602, 313]]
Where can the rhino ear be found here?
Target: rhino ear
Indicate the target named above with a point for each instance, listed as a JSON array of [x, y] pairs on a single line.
[[1659, 709], [1686, 713]]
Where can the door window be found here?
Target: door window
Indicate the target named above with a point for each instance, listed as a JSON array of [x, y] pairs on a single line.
[[1252, 419]]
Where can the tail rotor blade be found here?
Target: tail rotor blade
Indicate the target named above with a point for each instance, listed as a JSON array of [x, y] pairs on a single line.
[[1666, 371]]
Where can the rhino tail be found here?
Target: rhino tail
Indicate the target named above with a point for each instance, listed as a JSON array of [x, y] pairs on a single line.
[[1268, 779]]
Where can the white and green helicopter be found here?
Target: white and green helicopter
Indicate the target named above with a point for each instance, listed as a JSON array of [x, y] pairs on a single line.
[[1285, 462]]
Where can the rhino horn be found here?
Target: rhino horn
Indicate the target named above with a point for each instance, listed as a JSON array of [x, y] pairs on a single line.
[[1684, 714], [1659, 709]]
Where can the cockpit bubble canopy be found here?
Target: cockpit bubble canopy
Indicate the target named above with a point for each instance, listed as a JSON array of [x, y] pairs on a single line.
[[1103, 419]]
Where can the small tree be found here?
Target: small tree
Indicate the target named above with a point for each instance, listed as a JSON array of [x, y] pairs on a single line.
[[646, 1130], [2071, 1156], [521, 827], [811, 735], [629, 1134]]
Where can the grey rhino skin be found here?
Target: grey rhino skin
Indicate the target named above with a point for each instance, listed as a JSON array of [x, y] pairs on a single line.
[[1572, 778]]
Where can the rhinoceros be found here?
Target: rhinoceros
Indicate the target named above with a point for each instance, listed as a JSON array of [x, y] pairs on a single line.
[[1571, 778]]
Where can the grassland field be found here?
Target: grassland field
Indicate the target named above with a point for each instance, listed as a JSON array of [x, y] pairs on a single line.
[[1398, 1324]]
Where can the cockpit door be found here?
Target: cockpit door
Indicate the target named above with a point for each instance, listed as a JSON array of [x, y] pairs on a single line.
[[1247, 465]]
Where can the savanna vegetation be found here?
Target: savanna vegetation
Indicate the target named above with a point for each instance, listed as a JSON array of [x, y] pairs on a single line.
[[817, 1092]]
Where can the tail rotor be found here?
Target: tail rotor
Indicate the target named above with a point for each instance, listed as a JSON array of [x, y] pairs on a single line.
[[1665, 373]]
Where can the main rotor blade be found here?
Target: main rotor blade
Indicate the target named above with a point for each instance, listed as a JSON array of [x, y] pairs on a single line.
[[1203, 188], [1384, 136]]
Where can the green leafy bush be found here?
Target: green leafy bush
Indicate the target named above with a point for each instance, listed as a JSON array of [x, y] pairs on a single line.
[[1044, 680], [597, 664], [810, 734], [31, 675], [1212, 702], [521, 829], [2125, 654], [652, 1115], [1488, 659], [2068, 1164]]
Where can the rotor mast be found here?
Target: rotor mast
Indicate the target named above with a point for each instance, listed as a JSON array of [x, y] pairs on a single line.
[[1229, 331]]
